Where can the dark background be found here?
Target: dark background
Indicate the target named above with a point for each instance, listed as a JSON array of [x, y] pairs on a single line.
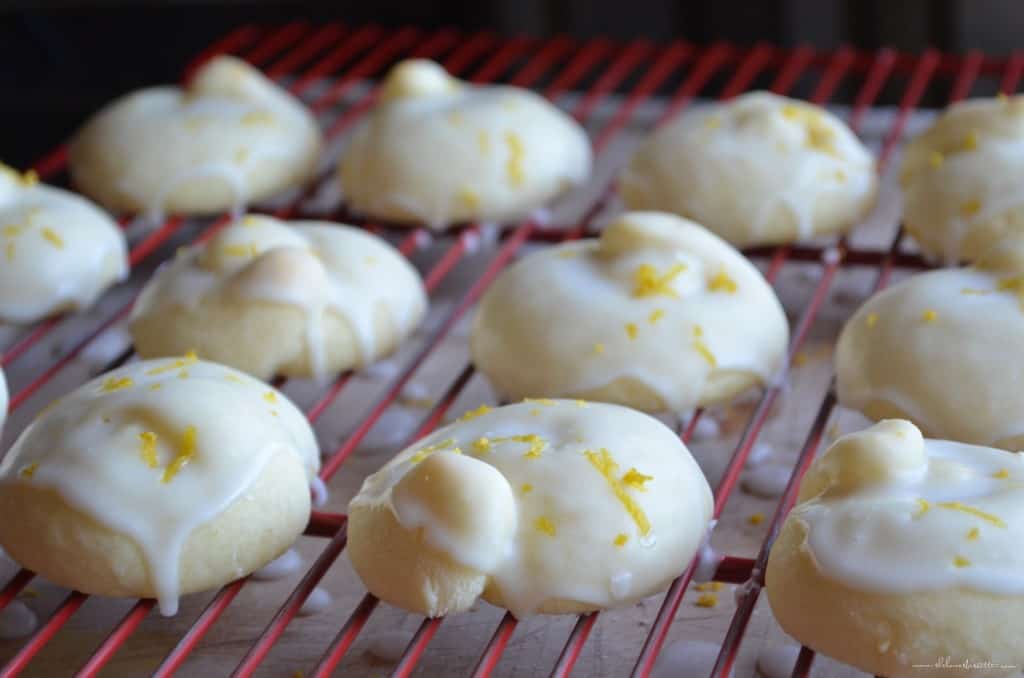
[[59, 61]]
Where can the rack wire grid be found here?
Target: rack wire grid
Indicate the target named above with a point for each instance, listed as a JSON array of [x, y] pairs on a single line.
[[334, 69]]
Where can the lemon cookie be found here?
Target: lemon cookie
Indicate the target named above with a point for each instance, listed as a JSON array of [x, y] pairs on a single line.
[[438, 151], [658, 314], [58, 251], [903, 553], [159, 479], [228, 138], [961, 179], [298, 299], [943, 350], [550, 506], [760, 169]]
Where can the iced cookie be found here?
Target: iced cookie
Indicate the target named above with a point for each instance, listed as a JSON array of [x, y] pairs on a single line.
[[159, 479], [658, 314], [58, 251], [551, 506], [437, 151], [759, 169], [904, 552], [268, 297], [942, 349], [961, 179], [228, 138]]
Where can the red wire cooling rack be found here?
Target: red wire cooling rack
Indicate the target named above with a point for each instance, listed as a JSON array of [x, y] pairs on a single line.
[[305, 57]]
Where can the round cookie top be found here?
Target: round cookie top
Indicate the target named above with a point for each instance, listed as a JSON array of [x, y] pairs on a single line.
[[961, 178], [657, 300], [158, 448], [58, 251], [567, 500], [942, 349], [887, 511], [438, 151], [316, 266], [758, 169], [229, 137]]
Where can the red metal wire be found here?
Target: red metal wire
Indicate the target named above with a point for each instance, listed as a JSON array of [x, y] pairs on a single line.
[[331, 47]]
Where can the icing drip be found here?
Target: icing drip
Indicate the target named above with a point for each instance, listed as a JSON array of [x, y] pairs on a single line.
[[142, 452], [766, 482], [317, 601], [17, 621], [777, 661], [287, 563], [686, 659]]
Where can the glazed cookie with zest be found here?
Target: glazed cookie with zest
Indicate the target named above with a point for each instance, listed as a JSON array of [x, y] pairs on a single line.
[[268, 297], [230, 137], [438, 151], [58, 251], [658, 314], [757, 170], [961, 179], [549, 506], [159, 479], [942, 349], [902, 551]]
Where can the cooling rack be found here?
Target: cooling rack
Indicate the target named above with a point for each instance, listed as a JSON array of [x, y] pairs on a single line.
[[334, 69]]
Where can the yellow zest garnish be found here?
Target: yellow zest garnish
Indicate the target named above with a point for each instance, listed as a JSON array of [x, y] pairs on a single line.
[[484, 142], [707, 600], [257, 118], [270, 396], [241, 250], [929, 315], [960, 561], [800, 359], [756, 519], [12, 230], [871, 320], [606, 466], [241, 155], [581, 403], [422, 454], [969, 290], [1014, 284], [469, 198], [976, 512], [514, 166], [710, 586], [648, 283], [544, 524], [634, 478], [482, 445], [53, 238], [535, 442], [702, 348], [189, 359], [569, 253], [598, 348], [840, 176], [971, 207], [155, 387], [722, 283], [631, 330], [249, 221], [546, 402], [1002, 98], [923, 506], [185, 454], [1001, 473], [712, 122], [935, 159], [149, 439], [183, 374], [526, 488], [473, 414], [233, 378], [29, 471], [973, 534], [455, 118], [113, 384], [535, 412], [9, 250], [971, 141], [621, 539], [656, 315]]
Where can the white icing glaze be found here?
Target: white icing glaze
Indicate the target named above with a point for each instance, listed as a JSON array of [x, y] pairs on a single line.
[[759, 168], [57, 250], [156, 148], [887, 511], [319, 267], [962, 175], [766, 482], [657, 300], [629, 521], [708, 558], [438, 151], [288, 562], [388, 646], [214, 431], [686, 659], [102, 350], [969, 321], [316, 602], [777, 661], [17, 620]]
